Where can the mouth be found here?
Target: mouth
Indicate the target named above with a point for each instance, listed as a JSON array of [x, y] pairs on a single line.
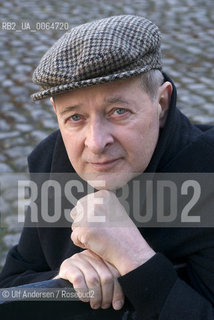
[[105, 165]]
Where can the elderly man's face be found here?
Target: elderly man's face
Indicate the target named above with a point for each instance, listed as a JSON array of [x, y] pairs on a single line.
[[110, 131]]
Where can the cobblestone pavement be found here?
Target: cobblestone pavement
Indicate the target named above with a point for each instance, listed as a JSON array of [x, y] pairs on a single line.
[[188, 51]]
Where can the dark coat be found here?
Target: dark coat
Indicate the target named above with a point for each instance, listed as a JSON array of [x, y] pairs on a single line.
[[156, 290]]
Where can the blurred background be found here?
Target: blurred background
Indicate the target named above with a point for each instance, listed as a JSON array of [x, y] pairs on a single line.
[[26, 33]]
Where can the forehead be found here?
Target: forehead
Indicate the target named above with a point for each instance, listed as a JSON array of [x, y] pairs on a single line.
[[121, 88]]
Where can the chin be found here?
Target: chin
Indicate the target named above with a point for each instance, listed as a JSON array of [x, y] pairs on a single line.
[[108, 181]]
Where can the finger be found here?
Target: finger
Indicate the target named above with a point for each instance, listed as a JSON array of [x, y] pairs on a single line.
[[73, 213], [112, 268], [118, 296], [92, 279], [75, 239], [106, 278], [77, 213], [74, 275]]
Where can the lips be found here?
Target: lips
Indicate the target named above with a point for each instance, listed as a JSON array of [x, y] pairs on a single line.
[[104, 162], [104, 165]]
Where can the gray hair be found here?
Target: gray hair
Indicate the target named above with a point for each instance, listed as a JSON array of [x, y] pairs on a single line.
[[151, 81]]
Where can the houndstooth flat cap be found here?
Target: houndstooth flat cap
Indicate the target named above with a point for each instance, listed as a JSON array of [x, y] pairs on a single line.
[[97, 52]]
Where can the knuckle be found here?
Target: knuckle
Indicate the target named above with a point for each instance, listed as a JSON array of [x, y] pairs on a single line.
[[65, 262], [78, 207], [107, 279], [84, 239], [77, 279], [74, 237], [73, 212], [65, 265], [74, 256], [62, 273], [80, 201], [93, 281], [64, 270]]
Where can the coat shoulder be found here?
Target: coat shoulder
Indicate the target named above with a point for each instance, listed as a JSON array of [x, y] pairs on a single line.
[[40, 159], [197, 156], [207, 137]]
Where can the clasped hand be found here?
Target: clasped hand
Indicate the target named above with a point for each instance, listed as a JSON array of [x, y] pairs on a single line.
[[113, 247]]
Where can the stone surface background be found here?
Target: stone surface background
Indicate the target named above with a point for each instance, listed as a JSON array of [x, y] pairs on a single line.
[[188, 53]]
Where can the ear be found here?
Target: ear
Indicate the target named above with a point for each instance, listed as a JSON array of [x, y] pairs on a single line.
[[53, 104], [164, 97]]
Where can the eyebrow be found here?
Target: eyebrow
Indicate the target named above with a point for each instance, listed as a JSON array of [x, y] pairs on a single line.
[[110, 100], [68, 109], [115, 99]]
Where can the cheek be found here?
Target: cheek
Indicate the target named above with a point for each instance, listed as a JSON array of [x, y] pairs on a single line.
[[151, 134], [73, 146], [143, 143], [146, 130]]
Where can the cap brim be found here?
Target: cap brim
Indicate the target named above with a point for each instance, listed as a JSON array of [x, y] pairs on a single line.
[[59, 89]]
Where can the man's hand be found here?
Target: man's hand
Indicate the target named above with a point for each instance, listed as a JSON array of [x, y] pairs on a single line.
[[87, 271], [121, 245]]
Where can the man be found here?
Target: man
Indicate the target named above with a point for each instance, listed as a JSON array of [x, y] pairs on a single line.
[[117, 117]]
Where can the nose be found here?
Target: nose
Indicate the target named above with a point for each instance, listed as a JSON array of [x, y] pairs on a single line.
[[98, 137]]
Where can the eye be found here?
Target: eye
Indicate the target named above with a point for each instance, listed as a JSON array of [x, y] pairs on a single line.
[[120, 111], [75, 117]]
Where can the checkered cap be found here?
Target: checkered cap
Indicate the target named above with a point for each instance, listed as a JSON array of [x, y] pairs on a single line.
[[101, 51]]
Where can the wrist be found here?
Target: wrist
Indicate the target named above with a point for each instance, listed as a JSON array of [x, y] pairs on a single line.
[[137, 259]]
